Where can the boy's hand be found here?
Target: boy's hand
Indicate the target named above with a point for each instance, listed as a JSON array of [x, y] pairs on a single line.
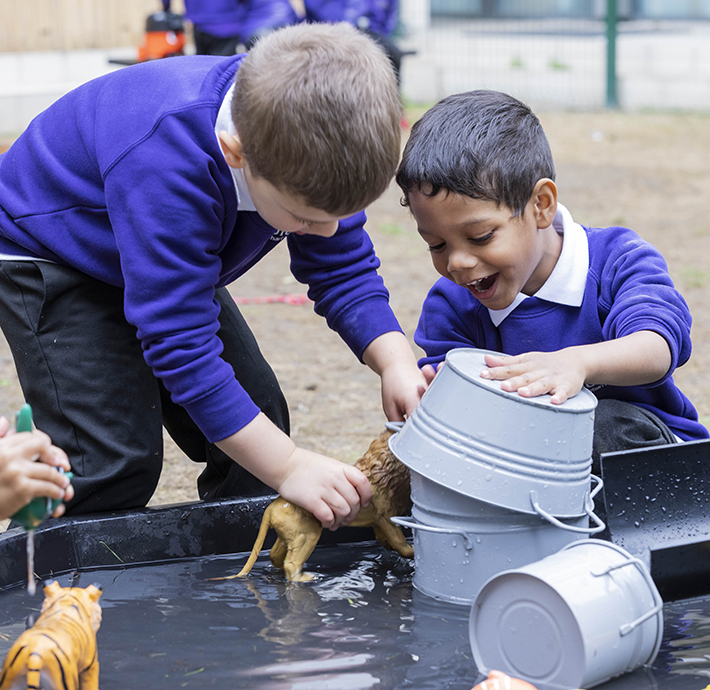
[[403, 383], [22, 478], [429, 372], [636, 359], [333, 491], [561, 374]]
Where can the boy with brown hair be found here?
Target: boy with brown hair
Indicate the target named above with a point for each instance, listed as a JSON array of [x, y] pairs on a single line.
[[569, 306], [129, 205]]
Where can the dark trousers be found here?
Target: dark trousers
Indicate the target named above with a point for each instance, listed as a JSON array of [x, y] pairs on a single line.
[[622, 426], [81, 368], [208, 44]]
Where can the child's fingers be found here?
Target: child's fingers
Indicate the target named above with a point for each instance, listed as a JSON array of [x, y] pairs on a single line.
[[4, 426], [47, 475], [323, 513], [33, 446], [361, 484], [429, 373]]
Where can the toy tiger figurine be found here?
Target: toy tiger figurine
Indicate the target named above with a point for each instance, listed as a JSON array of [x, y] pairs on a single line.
[[298, 531], [59, 651]]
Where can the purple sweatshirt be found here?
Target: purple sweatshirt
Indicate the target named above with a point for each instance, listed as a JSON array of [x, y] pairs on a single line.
[[378, 16], [627, 289], [243, 18], [123, 179]]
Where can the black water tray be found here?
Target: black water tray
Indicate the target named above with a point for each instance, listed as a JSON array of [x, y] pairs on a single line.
[[148, 535]]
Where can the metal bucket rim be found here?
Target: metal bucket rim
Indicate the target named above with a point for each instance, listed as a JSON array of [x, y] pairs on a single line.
[[539, 401]]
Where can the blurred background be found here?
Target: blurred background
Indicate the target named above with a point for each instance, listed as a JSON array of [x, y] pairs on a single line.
[[565, 54]]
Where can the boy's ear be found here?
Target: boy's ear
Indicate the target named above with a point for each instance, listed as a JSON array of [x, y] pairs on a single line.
[[545, 202], [232, 150]]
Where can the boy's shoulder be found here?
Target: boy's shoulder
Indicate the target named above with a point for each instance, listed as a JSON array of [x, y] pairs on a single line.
[[618, 244]]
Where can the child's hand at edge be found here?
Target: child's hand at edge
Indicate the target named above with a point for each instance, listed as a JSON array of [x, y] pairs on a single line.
[[22, 478]]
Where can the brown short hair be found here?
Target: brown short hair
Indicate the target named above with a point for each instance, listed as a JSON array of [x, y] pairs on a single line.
[[317, 110]]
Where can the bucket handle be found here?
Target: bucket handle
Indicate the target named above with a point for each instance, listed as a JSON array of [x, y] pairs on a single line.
[[394, 426], [629, 627], [413, 524], [588, 509]]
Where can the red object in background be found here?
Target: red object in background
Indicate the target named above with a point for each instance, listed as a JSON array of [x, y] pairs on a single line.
[[296, 299], [497, 680], [164, 36]]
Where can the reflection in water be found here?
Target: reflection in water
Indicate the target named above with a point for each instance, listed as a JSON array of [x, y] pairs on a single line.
[[686, 648], [358, 625]]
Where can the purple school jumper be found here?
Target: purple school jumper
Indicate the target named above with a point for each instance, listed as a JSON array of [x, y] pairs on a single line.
[[226, 18], [627, 289], [378, 16], [123, 180]]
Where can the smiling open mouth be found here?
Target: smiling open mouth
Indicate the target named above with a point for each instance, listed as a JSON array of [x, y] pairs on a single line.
[[482, 284]]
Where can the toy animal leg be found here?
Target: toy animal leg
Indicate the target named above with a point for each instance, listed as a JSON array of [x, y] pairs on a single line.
[[390, 536], [89, 679], [298, 554], [278, 553]]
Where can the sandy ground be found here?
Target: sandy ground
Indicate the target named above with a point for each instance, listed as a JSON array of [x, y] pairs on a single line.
[[650, 172]]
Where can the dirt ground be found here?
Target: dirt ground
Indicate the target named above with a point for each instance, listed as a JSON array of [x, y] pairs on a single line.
[[648, 171]]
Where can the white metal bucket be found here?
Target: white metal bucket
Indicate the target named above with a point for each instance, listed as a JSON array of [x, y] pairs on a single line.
[[574, 619], [460, 542], [523, 454]]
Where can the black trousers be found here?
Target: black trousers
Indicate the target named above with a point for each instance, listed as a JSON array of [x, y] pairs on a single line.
[[81, 367], [622, 426], [208, 44]]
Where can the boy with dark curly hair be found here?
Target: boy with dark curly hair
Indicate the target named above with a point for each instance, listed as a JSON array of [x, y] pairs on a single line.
[[570, 306]]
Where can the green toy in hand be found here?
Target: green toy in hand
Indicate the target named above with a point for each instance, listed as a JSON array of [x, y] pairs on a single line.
[[38, 509]]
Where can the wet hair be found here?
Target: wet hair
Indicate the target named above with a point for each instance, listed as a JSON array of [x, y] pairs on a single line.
[[317, 110], [482, 144]]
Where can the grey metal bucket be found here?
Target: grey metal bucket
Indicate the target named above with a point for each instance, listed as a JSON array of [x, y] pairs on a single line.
[[460, 542], [523, 454], [574, 619]]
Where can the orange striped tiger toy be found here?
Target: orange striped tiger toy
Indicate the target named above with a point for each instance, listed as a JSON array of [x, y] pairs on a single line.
[[59, 651]]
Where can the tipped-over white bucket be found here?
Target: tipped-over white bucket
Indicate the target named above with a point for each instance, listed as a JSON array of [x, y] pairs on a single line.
[[523, 454], [571, 620]]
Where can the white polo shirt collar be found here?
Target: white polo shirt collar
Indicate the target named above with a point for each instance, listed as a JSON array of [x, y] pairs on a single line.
[[224, 123]]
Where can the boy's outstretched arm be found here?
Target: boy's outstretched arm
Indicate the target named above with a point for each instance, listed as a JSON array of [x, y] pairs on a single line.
[[333, 491], [633, 360], [403, 383]]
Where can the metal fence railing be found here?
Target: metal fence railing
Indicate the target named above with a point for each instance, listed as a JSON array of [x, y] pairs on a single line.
[[557, 61]]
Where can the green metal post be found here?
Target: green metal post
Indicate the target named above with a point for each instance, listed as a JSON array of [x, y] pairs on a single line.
[[612, 100]]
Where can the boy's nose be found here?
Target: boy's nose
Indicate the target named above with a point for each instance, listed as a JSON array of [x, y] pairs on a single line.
[[323, 229], [460, 260]]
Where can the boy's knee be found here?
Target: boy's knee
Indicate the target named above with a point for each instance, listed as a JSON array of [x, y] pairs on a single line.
[[621, 426]]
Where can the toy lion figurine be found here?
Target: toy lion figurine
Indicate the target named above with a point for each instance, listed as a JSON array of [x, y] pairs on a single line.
[[298, 531], [59, 651]]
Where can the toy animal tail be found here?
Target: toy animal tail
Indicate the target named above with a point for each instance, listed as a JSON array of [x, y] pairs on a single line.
[[34, 670], [258, 544]]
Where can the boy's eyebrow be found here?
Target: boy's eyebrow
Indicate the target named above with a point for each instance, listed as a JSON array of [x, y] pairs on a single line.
[[463, 224]]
